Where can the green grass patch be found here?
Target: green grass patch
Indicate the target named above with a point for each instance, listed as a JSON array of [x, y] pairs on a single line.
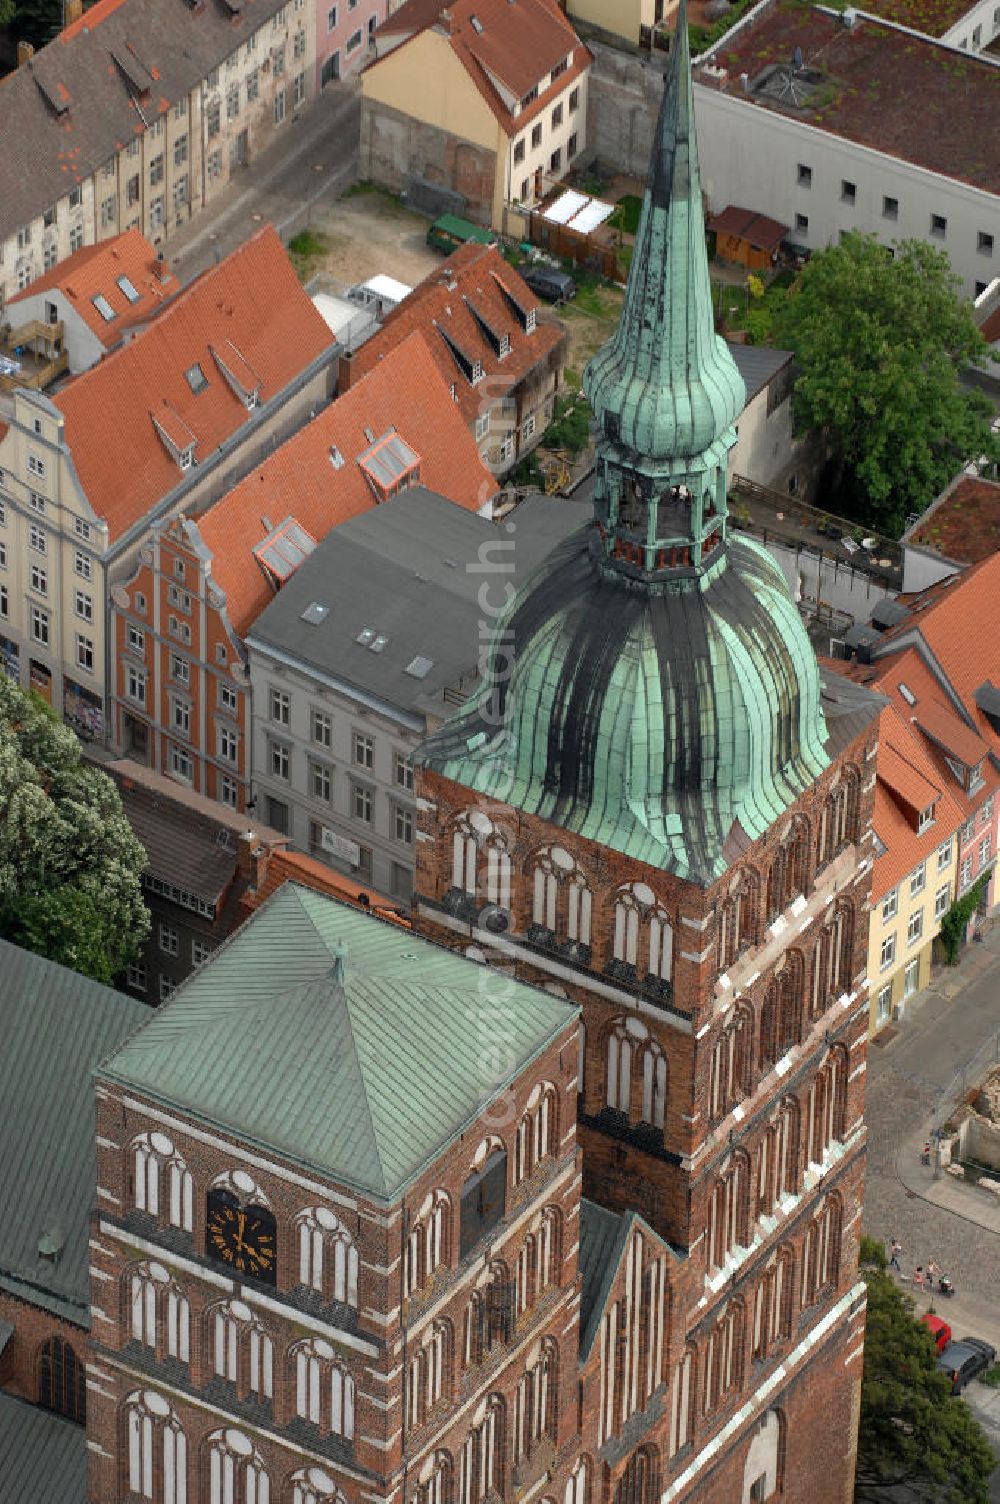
[[308, 243], [991, 1377], [570, 426], [626, 215]]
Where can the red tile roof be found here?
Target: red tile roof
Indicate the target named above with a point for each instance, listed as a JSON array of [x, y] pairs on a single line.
[[94, 271], [885, 88], [251, 301], [963, 525], [474, 286], [905, 777], [956, 619], [951, 733], [516, 42], [404, 392], [746, 224]]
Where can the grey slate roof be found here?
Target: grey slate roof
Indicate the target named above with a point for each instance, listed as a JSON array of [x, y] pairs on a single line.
[[401, 569], [849, 708], [757, 364], [185, 848], [306, 1032], [46, 154], [56, 1026], [43, 1458]]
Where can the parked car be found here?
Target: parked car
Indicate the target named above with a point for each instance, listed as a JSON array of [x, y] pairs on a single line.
[[549, 282], [938, 1328], [966, 1360]]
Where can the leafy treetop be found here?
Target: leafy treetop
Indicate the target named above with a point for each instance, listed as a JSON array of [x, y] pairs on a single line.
[[69, 863], [880, 342], [914, 1437]]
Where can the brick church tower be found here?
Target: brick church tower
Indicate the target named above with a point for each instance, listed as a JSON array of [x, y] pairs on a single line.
[[659, 807]]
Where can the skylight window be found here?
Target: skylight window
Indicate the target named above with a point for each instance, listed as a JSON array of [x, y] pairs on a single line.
[[907, 693], [336, 458], [366, 636], [128, 287], [314, 613], [104, 308], [196, 378], [420, 667]]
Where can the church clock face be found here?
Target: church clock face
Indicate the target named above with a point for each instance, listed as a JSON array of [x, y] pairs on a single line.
[[241, 1237]]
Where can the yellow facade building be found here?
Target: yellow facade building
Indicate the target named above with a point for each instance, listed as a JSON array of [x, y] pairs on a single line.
[[505, 118], [633, 20]]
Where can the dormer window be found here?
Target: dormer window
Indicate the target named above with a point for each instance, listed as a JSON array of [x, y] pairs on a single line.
[[925, 819], [185, 457], [477, 371], [196, 378], [504, 346], [560, 68], [529, 322], [529, 98]]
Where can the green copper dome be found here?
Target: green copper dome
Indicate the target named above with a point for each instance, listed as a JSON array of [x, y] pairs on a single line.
[[652, 688], [672, 725]]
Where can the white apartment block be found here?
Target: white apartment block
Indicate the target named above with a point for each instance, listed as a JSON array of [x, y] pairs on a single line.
[[138, 116]]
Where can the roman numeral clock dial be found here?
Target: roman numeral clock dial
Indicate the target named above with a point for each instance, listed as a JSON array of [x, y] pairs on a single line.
[[242, 1238]]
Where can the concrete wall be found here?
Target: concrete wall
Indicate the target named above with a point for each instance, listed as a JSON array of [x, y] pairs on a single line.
[[980, 1139], [817, 581], [750, 155], [922, 568], [623, 103]]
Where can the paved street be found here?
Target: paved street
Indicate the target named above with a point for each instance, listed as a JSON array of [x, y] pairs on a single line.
[[311, 164], [906, 1081]]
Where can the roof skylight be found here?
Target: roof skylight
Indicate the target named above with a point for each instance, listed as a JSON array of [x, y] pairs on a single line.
[[129, 288], [196, 378], [104, 308]]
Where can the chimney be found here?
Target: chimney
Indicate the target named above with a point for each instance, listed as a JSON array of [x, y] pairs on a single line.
[[25, 52], [252, 859], [72, 11]]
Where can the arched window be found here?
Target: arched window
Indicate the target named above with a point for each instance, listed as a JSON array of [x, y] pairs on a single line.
[[639, 1484], [535, 1399], [728, 1219], [236, 1471], [826, 1105], [738, 917], [242, 1352], [682, 1401], [643, 942], [772, 1309], [62, 1385], [764, 1468], [311, 1485], [578, 1483], [788, 873], [549, 1241], [538, 1131], [328, 1259], [490, 1314], [729, 1075], [480, 1467], [427, 1246], [154, 1450], [435, 1486], [838, 824], [324, 1390], [162, 1185], [158, 1311], [832, 958], [632, 1340], [821, 1251], [475, 837], [777, 1159], [428, 1377], [724, 1356], [561, 900], [781, 1013], [636, 1073]]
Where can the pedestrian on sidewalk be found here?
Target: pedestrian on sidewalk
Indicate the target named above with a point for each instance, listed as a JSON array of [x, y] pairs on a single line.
[[895, 1249], [918, 1277]]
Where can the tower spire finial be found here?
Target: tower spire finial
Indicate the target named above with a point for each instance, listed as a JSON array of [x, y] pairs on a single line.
[[665, 390]]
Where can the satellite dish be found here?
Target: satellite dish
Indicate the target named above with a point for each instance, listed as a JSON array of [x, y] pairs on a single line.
[[494, 919]]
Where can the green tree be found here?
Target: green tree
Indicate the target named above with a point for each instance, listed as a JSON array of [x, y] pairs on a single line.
[[69, 863], [913, 1435], [7, 10], [880, 343]]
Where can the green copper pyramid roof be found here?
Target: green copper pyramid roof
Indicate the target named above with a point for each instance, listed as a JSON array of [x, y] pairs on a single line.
[[667, 724], [665, 384], [307, 1032]]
